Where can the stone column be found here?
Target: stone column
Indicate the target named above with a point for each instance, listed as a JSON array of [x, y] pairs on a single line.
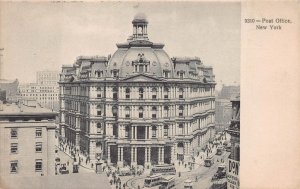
[[163, 155], [150, 132], [108, 154], [120, 157], [159, 155], [132, 132], [135, 132]]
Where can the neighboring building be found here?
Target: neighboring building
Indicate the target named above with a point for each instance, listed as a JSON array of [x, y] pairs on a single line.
[[223, 106], [233, 165], [45, 91], [11, 88], [47, 77], [223, 114], [139, 106], [27, 141], [46, 95]]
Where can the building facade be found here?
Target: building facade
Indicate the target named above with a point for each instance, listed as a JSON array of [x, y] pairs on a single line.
[[47, 95], [233, 163], [45, 91], [138, 107], [27, 141]]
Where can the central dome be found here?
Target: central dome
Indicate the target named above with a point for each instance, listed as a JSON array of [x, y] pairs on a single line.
[[139, 55]]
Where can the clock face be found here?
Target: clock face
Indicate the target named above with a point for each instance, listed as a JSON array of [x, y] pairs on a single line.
[[154, 63], [167, 64]]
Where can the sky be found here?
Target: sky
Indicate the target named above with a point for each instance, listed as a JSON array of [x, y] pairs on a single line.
[[44, 36]]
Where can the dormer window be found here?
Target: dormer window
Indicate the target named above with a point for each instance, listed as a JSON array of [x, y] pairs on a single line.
[[166, 73], [99, 74], [115, 73], [141, 64]]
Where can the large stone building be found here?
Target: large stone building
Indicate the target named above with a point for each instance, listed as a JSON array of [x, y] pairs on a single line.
[[138, 106], [27, 140], [45, 91]]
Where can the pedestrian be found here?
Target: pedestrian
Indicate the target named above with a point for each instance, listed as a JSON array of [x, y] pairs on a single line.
[[179, 174], [92, 166], [124, 186], [68, 163]]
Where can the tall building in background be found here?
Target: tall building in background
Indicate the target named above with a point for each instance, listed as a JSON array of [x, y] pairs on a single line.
[[47, 77], [140, 106], [223, 106], [45, 91], [27, 139], [233, 164]]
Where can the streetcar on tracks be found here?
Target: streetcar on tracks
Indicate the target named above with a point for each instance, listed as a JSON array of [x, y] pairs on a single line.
[[165, 169], [153, 180], [209, 161], [167, 182]]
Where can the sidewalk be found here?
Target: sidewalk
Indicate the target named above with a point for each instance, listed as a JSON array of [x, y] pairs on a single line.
[[82, 164]]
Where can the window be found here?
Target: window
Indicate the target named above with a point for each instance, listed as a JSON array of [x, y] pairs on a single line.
[[166, 111], [181, 93], [14, 133], [166, 128], [127, 131], [99, 92], [141, 93], [38, 147], [99, 110], [154, 131], [38, 132], [166, 92], [154, 109], [127, 93], [181, 111], [166, 74], [181, 75], [115, 73], [38, 165], [154, 93], [115, 111], [115, 93], [141, 112], [180, 128], [14, 148], [99, 128], [14, 167], [127, 112]]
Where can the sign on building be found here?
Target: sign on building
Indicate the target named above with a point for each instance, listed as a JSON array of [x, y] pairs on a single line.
[[233, 171]]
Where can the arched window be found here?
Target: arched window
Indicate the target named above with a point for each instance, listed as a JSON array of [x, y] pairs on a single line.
[[154, 110], [141, 93], [127, 112], [154, 93], [166, 130], [115, 111], [181, 108], [166, 111], [99, 110], [181, 93], [141, 112], [99, 92], [99, 128], [115, 93], [127, 131], [127, 93], [166, 92], [154, 129]]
